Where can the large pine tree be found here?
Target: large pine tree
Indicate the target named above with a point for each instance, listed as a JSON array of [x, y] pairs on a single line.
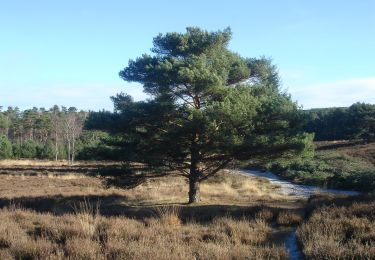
[[208, 106]]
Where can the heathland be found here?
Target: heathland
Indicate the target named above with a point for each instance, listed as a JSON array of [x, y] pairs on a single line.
[[52, 210], [155, 179]]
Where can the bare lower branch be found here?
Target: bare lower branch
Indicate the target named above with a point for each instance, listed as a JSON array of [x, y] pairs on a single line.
[[221, 166]]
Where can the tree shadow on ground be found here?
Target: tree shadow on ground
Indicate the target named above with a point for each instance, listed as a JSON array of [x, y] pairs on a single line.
[[115, 205]]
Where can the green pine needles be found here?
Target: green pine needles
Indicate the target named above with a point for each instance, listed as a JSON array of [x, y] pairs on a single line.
[[208, 107]]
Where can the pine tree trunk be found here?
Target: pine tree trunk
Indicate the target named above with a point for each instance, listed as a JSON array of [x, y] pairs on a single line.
[[194, 190], [194, 171]]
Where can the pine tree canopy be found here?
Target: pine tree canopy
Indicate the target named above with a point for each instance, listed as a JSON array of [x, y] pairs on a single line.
[[208, 106]]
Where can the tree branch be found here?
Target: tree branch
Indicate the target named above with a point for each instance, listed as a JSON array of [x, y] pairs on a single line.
[[221, 166]]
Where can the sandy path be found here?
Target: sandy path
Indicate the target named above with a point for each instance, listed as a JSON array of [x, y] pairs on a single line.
[[289, 188]]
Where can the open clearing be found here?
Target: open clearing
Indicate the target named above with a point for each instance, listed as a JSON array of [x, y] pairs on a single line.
[[50, 210], [59, 185]]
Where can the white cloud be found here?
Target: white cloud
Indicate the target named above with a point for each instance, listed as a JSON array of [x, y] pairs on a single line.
[[336, 94], [87, 96]]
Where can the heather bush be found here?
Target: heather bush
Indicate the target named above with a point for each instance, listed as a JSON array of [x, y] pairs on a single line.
[[88, 235], [340, 232]]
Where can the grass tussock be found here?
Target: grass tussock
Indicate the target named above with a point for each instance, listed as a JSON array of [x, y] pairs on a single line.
[[340, 232], [88, 216], [29, 235]]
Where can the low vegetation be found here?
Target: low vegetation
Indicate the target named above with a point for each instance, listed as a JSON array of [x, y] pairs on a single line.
[[364, 151], [65, 212], [51, 211], [341, 167], [340, 229], [85, 235]]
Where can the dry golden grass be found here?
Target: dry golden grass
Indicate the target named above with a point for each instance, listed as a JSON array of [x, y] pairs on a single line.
[[31, 162], [46, 179], [235, 219], [29, 235], [150, 221]]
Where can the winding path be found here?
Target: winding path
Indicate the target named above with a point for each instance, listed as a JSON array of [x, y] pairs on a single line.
[[302, 191], [289, 188]]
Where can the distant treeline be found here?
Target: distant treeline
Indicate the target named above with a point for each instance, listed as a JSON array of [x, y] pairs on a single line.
[[55, 133], [64, 133], [342, 123]]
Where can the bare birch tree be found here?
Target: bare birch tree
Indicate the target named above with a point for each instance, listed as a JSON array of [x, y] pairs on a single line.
[[73, 126]]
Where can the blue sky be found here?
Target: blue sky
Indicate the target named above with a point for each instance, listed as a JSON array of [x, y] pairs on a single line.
[[70, 52]]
